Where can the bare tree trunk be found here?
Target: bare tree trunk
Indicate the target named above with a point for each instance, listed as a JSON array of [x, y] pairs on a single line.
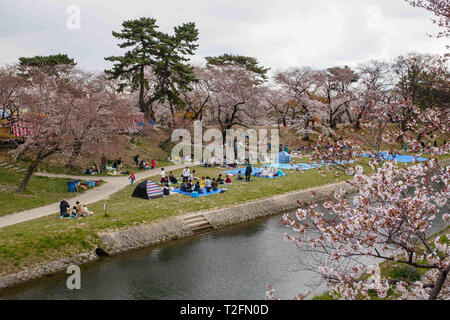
[[29, 173], [439, 283], [40, 156]]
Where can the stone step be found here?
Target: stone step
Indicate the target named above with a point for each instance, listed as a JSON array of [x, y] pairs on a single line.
[[193, 217], [202, 229], [194, 220], [198, 224]]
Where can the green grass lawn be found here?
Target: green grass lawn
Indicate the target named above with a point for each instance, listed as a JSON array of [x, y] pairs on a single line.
[[49, 238], [40, 191]]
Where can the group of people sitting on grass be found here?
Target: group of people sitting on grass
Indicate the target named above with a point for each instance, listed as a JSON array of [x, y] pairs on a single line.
[[79, 210], [205, 183], [92, 170], [141, 164], [269, 173]]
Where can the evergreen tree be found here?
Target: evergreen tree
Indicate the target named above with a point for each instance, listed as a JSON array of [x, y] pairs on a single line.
[[163, 56], [250, 63]]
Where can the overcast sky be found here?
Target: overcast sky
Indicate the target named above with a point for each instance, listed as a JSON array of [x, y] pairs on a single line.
[[280, 34]]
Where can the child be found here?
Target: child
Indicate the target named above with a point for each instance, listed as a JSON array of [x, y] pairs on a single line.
[[154, 164], [74, 212], [239, 177], [166, 189], [214, 184], [132, 178], [208, 184], [228, 179], [203, 182]]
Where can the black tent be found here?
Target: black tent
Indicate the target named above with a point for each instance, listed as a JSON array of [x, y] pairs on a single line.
[[147, 189]]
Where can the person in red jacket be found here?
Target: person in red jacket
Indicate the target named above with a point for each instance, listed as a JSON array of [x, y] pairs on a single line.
[[153, 164]]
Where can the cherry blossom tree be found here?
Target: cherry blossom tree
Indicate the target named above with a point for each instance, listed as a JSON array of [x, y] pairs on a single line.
[[333, 87], [441, 9], [375, 84], [235, 98], [199, 96], [68, 114], [11, 89], [390, 218], [300, 84]]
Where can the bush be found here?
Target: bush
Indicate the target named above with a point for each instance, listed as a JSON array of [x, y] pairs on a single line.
[[406, 273]]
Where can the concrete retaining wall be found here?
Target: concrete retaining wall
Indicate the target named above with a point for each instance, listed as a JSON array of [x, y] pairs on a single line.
[[161, 231], [45, 269]]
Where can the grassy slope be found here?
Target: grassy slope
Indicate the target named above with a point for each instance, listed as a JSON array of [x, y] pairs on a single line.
[[41, 191], [49, 238]]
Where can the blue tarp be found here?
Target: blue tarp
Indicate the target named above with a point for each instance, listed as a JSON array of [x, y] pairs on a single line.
[[303, 166], [398, 157], [283, 157], [255, 171], [337, 162], [200, 194], [242, 170], [6, 114]]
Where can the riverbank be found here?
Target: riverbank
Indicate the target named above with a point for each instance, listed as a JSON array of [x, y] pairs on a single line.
[[116, 242], [134, 223]]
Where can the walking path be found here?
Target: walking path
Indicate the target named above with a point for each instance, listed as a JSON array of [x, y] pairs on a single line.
[[112, 185]]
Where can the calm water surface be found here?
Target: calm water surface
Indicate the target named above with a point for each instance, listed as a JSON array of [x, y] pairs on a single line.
[[232, 263]]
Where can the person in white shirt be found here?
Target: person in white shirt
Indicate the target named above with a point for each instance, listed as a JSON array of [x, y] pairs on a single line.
[[186, 174], [163, 173]]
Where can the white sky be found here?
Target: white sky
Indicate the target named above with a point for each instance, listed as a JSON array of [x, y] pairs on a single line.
[[280, 34]]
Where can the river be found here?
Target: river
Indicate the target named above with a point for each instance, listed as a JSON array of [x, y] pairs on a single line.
[[231, 263]]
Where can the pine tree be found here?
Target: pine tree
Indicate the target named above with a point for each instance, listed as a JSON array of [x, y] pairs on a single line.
[[160, 54]]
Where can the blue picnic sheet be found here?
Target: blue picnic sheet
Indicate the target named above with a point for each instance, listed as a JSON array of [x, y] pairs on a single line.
[[255, 172], [302, 166], [219, 190], [397, 157]]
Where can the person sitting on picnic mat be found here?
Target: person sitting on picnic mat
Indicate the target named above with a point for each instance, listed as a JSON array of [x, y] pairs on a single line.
[[219, 179], [183, 187], [239, 177], [208, 184], [228, 179], [63, 206], [193, 176], [172, 178], [74, 212], [166, 189], [214, 184], [203, 182], [186, 174], [198, 188], [189, 186], [82, 210]]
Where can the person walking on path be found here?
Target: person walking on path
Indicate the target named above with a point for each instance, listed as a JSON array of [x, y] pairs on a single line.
[[132, 178], [248, 172]]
